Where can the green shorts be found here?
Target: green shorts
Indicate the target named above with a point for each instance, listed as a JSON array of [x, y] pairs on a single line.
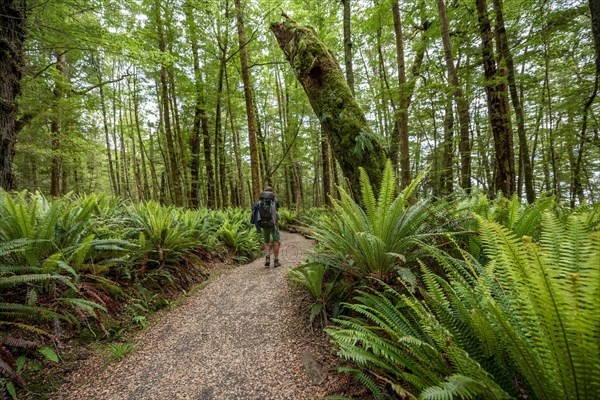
[[269, 233]]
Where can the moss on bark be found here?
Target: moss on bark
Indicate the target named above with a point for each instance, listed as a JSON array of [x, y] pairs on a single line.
[[354, 143]]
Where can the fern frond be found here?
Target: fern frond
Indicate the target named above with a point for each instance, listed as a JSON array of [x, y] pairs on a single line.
[[366, 381], [386, 196], [27, 327], [456, 386], [368, 196], [28, 312]]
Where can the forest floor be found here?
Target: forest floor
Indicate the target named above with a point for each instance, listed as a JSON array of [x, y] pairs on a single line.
[[243, 336]]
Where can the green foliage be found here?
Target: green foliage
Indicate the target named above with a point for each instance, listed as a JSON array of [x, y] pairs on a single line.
[[286, 217], [321, 283], [120, 350], [375, 241], [531, 311], [235, 231], [313, 216], [71, 260]]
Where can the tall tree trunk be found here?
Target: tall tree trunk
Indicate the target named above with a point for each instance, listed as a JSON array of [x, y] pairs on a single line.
[[111, 171], [146, 189], [181, 150], [461, 103], [199, 108], [174, 168], [262, 147], [113, 133], [137, 173], [504, 166], [248, 98], [153, 174], [325, 167], [236, 149], [13, 15], [348, 46], [402, 112], [446, 175], [595, 11], [220, 188], [123, 147], [330, 97], [384, 86], [516, 101], [576, 186], [56, 125]]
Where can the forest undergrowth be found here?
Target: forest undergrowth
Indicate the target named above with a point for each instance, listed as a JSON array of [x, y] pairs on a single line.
[[83, 274], [461, 297]]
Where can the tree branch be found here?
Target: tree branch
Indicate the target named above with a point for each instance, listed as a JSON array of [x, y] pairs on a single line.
[[88, 89]]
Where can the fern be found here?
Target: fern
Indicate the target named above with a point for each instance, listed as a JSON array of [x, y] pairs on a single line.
[[455, 386]]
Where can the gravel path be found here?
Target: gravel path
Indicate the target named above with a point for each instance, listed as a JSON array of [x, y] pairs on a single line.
[[238, 338]]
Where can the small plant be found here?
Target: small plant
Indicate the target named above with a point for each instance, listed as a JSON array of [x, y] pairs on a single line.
[[15, 354], [120, 350], [286, 217], [312, 278]]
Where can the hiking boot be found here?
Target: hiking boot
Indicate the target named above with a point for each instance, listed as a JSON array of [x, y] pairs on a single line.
[[268, 261], [276, 263]]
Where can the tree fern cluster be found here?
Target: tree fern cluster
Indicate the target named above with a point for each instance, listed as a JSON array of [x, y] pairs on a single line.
[[505, 303], [71, 262]]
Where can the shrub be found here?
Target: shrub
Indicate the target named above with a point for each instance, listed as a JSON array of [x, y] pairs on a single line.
[[523, 324]]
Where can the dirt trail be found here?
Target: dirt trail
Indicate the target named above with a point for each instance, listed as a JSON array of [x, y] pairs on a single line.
[[235, 339]]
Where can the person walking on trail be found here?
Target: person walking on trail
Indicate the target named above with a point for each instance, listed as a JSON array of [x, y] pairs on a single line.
[[265, 215]]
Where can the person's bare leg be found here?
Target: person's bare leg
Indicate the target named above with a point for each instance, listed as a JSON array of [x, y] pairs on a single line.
[[276, 252], [268, 254]]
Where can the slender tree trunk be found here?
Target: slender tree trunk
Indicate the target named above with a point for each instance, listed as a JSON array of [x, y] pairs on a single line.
[[219, 146], [324, 83], [174, 168], [384, 88], [153, 174], [111, 171], [199, 108], [325, 167], [248, 98], [504, 167], [348, 46], [181, 150], [461, 103], [146, 188], [520, 117], [402, 112], [137, 173], [446, 175], [262, 147], [236, 149], [123, 147], [577, 188], [595, 12], [56, 125], [113, 133]]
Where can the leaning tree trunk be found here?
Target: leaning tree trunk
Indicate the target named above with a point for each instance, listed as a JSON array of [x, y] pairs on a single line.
[[12, 39], [353, 142]]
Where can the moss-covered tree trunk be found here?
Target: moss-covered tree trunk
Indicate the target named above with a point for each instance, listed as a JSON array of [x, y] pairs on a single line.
[[353, 142]]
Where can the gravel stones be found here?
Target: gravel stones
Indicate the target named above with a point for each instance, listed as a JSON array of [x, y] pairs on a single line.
[[239, 338]]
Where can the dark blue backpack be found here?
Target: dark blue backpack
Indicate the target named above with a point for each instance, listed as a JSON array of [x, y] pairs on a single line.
[[265, 209]]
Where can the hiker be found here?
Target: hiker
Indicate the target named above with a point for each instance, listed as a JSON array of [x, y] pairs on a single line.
[[264, 214]]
